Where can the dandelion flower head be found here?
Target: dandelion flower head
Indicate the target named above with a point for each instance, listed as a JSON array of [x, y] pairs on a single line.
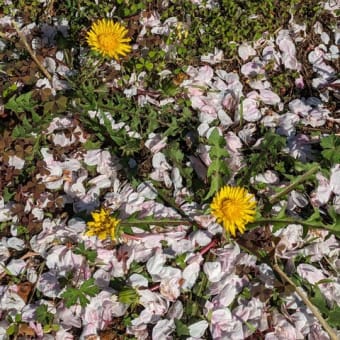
[[233, 207], [109, 38], [103, 225]]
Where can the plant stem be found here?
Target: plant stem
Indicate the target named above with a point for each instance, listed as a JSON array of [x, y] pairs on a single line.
[[307, 302], [275, 198], [286, 221], [155, 222], [30, 51]]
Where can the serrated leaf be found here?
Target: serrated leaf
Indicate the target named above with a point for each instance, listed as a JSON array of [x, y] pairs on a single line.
[[334, 317], [215, 184], [332, 155], [22, 103], [72, 295], [181, 328], [43, 316], [90, 145], [83, 300], [218, 167], [328, 142], [90, 254], [89, 288], [282, 212], [114, 135], [215, 139], [7, 195], [173, 127], [218, 152], [331, 146], [277, 225], [319, 300], [174, 153]]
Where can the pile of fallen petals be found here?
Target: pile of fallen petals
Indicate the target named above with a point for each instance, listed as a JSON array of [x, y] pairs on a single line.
[[237, 302]]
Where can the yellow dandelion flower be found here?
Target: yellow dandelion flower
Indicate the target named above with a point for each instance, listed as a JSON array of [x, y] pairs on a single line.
[[103, 225], [234, 207], [109, 38]]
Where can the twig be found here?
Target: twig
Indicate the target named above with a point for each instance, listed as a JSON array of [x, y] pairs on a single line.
[[307, 302], [275, 198], [209, 246], [30, 51]]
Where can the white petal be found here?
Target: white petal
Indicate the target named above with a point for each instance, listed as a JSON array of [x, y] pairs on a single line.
[[335, 179], [197, 329], [190, 275], [245, 51]]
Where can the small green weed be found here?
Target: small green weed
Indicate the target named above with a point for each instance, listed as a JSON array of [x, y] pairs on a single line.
[[267, 156], [79, 295], [331, 148], [218, 170]]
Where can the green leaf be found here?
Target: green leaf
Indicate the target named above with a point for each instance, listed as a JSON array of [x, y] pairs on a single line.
[[70, 296], [89, 288], [335, 227], [91, 145], [331, 148], [83, 300], [173, 127], [22, 103], [267, 156], [55, 327], [148, 66], [218, 152], [128, 296], [139, 67], [315, 218], [89, 254], [218, 169], [334, 317], [18, 318], [7, 195], [9, 90], [277, 225], [174, 152], [181, 328], [215, 139], [180, 260], [12, 329], [73, 295], [319, 300], [43, 316], [215, 184]]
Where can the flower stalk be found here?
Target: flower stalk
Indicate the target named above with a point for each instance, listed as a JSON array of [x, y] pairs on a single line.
[[276, 198], [157, 222], [286, 221], [307, 302], [31, 53]]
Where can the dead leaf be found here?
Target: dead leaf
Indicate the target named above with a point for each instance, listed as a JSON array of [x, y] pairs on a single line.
[[25, 330], [24, 290]]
